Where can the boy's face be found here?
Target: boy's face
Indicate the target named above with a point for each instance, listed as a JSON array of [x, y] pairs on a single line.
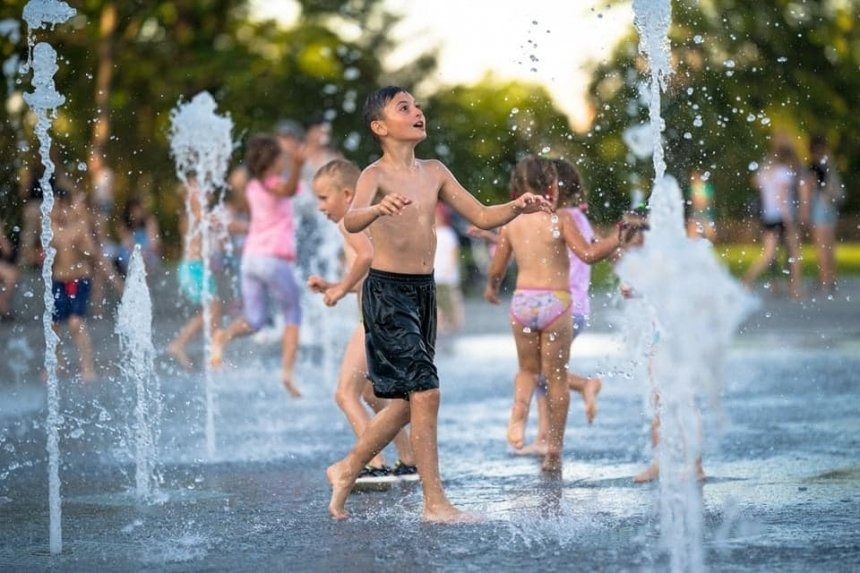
[[332, 201], [402, 118]]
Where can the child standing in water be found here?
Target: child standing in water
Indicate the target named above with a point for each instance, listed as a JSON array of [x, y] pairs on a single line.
[[540, 307], [572, 199], [395, 200], [190, 273], [268, 254], [334, 186], [73, 268]]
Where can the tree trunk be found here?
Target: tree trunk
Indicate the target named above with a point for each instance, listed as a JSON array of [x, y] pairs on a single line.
[[104, 75]]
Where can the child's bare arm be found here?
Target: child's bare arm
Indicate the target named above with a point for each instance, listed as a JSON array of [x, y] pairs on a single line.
[[363, 249], [497, 268], [587, 252], [290, 186], [484, 216]]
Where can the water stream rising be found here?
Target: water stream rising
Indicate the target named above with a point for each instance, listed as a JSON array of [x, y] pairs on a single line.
[[44, 101], [201, 145], [697, 307], [134, 328]]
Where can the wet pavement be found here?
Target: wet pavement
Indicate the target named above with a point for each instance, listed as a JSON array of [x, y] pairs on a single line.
[[781, 455]]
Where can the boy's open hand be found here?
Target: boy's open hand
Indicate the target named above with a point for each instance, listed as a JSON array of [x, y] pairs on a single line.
[[531, 203], [392, 204]]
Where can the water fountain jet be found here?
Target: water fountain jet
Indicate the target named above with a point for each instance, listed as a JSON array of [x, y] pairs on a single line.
[[44, 101], [704, 304], [201, 145], [134, 328]]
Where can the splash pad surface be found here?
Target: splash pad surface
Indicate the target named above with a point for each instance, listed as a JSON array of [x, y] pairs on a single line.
[[782, 492]]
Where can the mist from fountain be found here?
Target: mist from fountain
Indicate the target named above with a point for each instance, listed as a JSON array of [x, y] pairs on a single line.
[[44, 101], [697, 307]]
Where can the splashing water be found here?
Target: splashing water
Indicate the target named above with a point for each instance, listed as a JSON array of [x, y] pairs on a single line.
[[44, 101], [201, 145], [703, 304], [134, 328]]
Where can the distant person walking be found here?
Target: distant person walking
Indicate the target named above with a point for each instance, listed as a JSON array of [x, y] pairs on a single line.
[[776, 182], [824, 194]]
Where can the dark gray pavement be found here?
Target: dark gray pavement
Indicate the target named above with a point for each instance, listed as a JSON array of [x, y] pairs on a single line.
[[781, 454]]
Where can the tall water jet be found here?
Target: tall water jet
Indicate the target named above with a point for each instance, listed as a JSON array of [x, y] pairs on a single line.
[[134, 328], [698, 307], [201, 145], [44, 101]]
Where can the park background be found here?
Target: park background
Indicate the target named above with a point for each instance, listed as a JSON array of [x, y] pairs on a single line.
[[743, 75]]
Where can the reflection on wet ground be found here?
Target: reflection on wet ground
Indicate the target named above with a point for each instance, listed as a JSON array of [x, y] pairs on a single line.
[[782, 493]]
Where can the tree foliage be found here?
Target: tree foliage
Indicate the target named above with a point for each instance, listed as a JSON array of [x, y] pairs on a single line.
[[744, 73]]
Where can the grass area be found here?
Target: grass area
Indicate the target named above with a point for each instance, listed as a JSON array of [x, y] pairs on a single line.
[[739, 257]]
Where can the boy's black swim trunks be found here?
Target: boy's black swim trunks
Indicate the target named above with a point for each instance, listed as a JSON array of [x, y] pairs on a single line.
[[399, 313]]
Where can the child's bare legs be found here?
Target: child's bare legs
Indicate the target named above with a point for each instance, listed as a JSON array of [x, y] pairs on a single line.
[[424, 413], [289, 349], [524, 387], [652, 472], [402, 443], [177, 346], [379, 432], [81, 338], [525, 382], [222, 337], [589, 388], [538, 447], [824, 237], [770, 242], [352, 385], [189, 330], [421, 411], [555, 352]]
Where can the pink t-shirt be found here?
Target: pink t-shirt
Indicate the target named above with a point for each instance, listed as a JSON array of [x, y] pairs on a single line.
[[580, 271], [272, 231]]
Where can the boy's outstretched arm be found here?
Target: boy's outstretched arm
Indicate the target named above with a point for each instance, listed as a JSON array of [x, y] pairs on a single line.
[[485, 216]]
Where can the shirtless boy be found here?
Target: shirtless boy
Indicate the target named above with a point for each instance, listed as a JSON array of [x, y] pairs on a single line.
[[395, 201], [334, 187], [74, 264]]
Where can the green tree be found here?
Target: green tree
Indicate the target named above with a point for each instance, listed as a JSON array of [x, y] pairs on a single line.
[[122, 81], [743, 74]]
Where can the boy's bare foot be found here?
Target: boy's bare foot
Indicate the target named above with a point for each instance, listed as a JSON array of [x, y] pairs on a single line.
[[648, 475], [551, 463], [447, 513], [517, 426], [589, 396], [178, 353], [291, 387], [341, 485], [216, 352]]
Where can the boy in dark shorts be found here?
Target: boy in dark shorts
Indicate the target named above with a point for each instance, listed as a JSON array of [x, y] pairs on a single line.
[[395, 201], [73, 267]]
